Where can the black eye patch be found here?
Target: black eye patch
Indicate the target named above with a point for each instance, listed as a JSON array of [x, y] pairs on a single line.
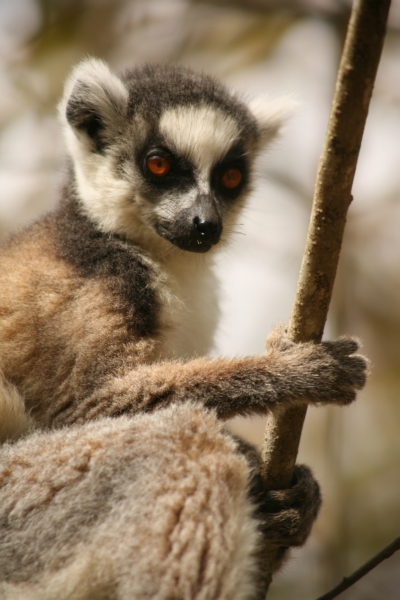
[[230, 176], [163, 170], [180, 171]]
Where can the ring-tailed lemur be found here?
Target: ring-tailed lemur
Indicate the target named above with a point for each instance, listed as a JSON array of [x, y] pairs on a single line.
[[107, 309]]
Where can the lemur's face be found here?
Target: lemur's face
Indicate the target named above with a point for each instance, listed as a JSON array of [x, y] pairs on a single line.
[[194, 167], [162, 151]]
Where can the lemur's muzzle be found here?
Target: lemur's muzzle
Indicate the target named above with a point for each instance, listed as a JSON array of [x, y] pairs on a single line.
[[196, 228]]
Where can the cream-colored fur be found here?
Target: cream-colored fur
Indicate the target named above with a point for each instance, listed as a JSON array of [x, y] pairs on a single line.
[[154, 507]]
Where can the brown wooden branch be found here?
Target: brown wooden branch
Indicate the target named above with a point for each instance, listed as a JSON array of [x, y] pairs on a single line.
[[332, 197], [347, 582]]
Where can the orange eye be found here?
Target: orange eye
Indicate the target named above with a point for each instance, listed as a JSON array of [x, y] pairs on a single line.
[[231, 178], [158, 165]]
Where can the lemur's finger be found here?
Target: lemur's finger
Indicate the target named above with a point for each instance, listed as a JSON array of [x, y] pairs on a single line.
[[344, 345], [288, 515]]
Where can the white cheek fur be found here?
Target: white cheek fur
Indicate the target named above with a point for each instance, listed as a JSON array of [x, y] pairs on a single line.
[[106, 198]]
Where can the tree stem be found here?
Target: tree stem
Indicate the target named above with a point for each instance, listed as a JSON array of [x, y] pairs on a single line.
[[373, 562], [332, 197]]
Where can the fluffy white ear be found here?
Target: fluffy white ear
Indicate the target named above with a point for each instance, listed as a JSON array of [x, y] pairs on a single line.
[[271, 114], [94, 103]]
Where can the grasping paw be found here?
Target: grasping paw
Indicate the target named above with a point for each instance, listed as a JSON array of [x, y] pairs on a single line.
[[286, 516], [330, 372]]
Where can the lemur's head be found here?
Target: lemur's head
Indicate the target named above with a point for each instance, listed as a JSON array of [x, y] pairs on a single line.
[[162, 152]]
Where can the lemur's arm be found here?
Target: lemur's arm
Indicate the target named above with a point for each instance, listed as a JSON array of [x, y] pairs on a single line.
[[317, 373], [71, 353]]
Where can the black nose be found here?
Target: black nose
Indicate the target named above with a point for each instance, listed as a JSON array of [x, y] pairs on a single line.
[[207, 230], [206, 221], [196, 228]]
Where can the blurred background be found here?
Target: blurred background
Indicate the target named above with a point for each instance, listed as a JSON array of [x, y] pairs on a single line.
[[255, 46]]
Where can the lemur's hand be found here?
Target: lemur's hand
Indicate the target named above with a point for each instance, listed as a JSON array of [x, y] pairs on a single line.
[[286, 516], [328, 372]]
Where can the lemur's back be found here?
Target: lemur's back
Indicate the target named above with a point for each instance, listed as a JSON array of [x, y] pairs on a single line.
[[93, 521]]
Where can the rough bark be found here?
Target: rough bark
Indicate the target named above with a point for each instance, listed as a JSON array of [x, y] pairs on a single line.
[[332, 197]]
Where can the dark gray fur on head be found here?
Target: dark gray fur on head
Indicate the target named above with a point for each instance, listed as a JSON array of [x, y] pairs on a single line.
[[151, 89], [182, 86]]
